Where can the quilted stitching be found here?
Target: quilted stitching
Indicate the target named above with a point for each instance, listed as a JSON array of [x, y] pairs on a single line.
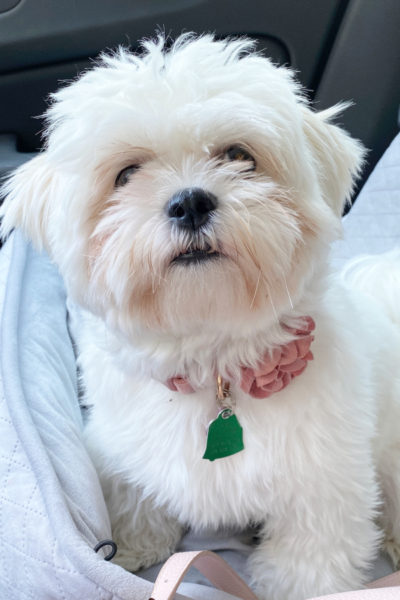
[[18, 530], [372, 226], [23, 528], [34, 564]]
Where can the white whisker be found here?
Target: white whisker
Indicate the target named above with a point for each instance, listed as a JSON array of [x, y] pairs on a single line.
[[288, 293], [272, 303], [256, 289]]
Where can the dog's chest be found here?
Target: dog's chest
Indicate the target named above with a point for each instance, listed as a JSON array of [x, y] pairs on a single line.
[[162, 441], [226, 491]]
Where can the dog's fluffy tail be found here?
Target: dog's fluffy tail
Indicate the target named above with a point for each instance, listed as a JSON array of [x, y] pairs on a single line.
[[378, 276]]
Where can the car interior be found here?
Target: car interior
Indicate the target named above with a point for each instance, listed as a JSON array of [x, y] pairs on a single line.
[[342, 50]]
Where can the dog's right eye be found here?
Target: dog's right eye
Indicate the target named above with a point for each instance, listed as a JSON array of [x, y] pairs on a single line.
[[124, 175]]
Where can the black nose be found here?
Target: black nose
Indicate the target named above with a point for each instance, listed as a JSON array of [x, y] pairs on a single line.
[[190, 208]]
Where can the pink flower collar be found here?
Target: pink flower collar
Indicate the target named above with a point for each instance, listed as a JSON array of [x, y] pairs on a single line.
[[275, 371]]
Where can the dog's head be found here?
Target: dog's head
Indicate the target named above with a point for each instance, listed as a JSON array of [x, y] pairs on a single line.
[[185, 189]]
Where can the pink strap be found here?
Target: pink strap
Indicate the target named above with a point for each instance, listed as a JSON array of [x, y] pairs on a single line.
[[383, 593], [385, 588], [209, 564], [224, 578], [390, 580]]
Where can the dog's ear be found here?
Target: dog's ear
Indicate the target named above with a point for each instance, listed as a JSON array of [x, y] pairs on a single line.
[[27, 196], [338, 157]]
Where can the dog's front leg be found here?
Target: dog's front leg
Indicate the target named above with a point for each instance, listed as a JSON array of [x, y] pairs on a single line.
[[144, 533], [320, 539]]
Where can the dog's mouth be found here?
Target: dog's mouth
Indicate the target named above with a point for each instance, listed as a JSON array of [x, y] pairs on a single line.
[[196, 255]]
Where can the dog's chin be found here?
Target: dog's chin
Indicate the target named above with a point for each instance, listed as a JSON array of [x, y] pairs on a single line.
[[203, 291], [193, 256]]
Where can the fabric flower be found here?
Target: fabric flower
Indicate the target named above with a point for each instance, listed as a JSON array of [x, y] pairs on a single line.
[[278, 367]]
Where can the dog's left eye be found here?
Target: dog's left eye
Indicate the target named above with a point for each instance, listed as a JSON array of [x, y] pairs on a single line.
[[240, 154], [124, 175]]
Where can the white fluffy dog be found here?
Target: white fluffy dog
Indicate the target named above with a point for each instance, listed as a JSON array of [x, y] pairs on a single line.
[[189, 198]]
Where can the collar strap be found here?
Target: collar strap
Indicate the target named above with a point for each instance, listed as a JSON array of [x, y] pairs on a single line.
[[276, 369]]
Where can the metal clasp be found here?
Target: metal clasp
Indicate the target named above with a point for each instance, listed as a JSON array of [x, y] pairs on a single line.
[[224, 398]]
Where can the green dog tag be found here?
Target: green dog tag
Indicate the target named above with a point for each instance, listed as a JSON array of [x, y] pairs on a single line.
[[225, 436]]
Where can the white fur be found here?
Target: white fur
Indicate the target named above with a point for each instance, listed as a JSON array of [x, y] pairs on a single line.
[[322, 458]]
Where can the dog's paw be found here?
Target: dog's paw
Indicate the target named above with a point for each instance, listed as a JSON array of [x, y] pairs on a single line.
[[392, 547], [136, 559]]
